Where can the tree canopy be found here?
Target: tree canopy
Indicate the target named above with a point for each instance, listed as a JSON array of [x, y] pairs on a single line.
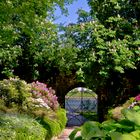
[[102, 50], [109, 42], [26, 30]]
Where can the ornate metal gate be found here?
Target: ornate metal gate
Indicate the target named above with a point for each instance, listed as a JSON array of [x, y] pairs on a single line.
[[81, 105]]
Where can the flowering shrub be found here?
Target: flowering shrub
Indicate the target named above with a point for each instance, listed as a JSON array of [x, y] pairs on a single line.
[[135, 103], [44, 96], [137, 98], [19, 97]]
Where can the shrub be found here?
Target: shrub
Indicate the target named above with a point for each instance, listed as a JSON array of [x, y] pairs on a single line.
[[54, 126], [34, 99], [17, 95], [20, 127], [115, 113], [61, 118], [14, 92], [54, 123], [47, 110], [44, 96]]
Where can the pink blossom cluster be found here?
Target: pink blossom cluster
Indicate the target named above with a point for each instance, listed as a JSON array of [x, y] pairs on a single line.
[[137, 98], [47, 95], [136, 102]]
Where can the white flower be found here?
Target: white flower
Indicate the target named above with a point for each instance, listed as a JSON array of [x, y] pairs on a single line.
[[41, 103]]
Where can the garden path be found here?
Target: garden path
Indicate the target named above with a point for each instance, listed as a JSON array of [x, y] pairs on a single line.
[[65, 134]]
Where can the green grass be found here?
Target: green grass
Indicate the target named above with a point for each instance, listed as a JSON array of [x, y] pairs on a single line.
[[90, 116]]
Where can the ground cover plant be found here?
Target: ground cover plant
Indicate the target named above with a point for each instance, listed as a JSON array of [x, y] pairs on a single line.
[[26, 107], [125, 128], [20, 127]]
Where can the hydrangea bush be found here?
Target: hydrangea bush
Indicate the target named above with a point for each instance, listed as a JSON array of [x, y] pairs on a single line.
[[45, 97]]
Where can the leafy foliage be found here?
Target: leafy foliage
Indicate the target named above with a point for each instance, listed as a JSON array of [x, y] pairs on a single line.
[[101, 50], [35, 100], [109, 52], [106, 9], [54, 122], [127, 128], [14, 92], [25, 31], [105, 52], [132, 103], [15, 127]]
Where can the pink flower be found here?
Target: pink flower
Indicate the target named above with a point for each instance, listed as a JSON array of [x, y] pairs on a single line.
[[137, 98], [40, 90]]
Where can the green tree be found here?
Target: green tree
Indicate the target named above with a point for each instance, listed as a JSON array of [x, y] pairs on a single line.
[[26, 28], [109, 46], [57, 65], [31, 46]]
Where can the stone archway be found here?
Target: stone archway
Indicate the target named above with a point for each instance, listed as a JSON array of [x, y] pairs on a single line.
[[81, 106]]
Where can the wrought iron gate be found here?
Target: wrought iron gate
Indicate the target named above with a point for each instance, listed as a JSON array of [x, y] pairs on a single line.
[[81, 105]]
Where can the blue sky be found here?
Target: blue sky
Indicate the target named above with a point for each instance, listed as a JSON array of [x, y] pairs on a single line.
[[72, 9]]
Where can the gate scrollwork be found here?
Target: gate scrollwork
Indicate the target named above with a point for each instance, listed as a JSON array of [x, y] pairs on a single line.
[[81, 105]]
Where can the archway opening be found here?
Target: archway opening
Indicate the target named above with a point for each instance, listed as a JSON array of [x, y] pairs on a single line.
[[81, 106]]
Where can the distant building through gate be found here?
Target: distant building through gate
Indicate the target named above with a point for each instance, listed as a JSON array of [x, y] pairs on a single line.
[[81, 106]]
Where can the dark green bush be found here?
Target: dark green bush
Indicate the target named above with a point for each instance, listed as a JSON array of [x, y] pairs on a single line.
[[54, 126]]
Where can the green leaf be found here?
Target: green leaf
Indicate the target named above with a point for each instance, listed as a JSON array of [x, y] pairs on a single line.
[[73, 133], [136, 107], [109, 125], [136, 134], [78, 138], [132, 116], [120, 136], [126, 137], [91, 130], [126, 125], [137, 42], [119, 69], [115, 135]]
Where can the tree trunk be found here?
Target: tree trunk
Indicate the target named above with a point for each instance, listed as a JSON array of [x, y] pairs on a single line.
[[102, 103]]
